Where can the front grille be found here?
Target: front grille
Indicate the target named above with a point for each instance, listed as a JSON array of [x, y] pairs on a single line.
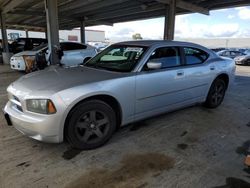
[[19, 108], [14, 97], [16, 103]]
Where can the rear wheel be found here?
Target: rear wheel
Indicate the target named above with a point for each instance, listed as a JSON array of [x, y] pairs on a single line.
[[86, 59], [216, 93], [90, 125]]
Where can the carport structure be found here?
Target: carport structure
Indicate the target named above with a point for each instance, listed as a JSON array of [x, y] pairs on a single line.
[[51, 15]]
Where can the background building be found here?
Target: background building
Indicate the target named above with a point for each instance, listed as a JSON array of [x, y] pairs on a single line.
[[219, 42], [65, 35]]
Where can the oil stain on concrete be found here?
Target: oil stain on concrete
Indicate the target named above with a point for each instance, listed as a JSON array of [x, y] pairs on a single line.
[[182, 146], [244, 149], [71, 153], [132, 169], [248, 124], [25, 164], [184, 133], [235, 183]]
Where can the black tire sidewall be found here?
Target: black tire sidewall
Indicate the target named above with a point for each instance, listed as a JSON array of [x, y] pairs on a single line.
[[209, 102], [77, 112]]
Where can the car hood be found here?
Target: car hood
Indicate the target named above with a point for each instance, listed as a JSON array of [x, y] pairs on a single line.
[[242, 57], [29, 53], [56, 78]]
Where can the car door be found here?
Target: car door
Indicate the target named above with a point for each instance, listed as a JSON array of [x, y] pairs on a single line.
[[87, 51], [72, 54], [157, 89], [198, 74]]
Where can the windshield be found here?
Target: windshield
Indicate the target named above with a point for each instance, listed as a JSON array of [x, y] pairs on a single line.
[[40, 47], [247, 52], [120, 58]]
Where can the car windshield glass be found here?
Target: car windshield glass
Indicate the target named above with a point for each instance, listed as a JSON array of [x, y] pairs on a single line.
[[247, 52], [40, 47], [120, 58]]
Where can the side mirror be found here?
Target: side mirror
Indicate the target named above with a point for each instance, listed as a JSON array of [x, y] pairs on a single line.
[[154, 65]]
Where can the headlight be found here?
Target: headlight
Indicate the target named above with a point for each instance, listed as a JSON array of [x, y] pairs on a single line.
[[17, 59], [41, 106]]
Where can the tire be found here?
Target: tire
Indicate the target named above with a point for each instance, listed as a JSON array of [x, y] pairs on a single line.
[[90, 125], [86, 59], [216, 94]]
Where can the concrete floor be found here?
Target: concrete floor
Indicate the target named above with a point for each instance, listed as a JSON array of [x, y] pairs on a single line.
[[193, 147]]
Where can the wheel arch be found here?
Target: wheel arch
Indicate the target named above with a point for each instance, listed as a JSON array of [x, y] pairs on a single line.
[[108, 99], [224, 77], [86, 59]]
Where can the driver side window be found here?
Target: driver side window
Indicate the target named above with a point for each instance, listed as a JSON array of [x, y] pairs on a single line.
[[167, 56]]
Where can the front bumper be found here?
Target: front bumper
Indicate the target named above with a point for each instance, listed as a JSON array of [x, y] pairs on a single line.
[[44, 128], [242, 62], [20, 66]]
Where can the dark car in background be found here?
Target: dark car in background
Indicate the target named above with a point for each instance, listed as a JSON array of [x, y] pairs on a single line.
[[242, 60], [230, 53], [218, 49], [26, 44]]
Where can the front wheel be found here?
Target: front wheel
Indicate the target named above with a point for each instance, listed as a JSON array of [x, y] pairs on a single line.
[[90, 125], [216, 94]]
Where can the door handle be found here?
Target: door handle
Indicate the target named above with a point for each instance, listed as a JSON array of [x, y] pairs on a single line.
[[212, 67], [181, 73]]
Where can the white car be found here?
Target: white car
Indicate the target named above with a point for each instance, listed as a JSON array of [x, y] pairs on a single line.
[[74, 54]]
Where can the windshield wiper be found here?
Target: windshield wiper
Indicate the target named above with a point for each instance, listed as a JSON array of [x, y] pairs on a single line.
[[99, 67]]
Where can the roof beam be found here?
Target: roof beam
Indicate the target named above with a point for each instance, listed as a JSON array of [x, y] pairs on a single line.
[[218, 4], [93, 6], [22, 26], [187, 6], [30, 12], [11, 5], [124, 12]]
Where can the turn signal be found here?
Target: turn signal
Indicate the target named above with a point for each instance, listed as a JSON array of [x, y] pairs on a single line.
[[51, 108]]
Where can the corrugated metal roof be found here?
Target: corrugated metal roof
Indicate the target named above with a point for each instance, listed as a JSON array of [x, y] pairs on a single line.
[[30, 14]]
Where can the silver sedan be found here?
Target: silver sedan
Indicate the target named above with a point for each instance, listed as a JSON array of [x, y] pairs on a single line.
[[126, 82]]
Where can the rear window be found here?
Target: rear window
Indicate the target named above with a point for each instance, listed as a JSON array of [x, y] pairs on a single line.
[[195, 56], [67, 46]]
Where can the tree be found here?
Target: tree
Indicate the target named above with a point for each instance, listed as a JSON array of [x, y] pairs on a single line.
[[137, 36]]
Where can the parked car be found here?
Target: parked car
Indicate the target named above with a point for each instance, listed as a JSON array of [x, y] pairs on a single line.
[[26, 44], [73, 54], [218, 49], [230, 53], [242, 60], [247, 52], [84, 105], [99, 45]]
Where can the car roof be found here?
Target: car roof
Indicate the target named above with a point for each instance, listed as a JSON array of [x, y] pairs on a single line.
[[156, 42], [230, 51], [71, 42], [23, 38]]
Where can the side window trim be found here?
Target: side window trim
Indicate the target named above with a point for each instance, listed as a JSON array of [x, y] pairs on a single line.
[[182, 60], [185, 59]]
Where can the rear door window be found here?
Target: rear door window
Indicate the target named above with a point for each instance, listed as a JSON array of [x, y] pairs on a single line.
[[72, 46], [194, 56]]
